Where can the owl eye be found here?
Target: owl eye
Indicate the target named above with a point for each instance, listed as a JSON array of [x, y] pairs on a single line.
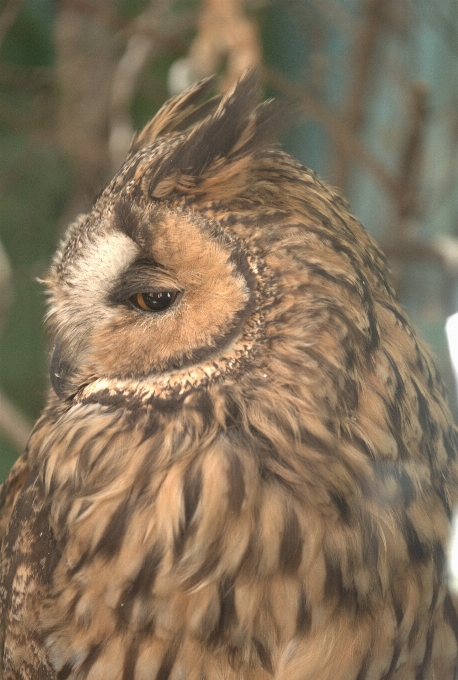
[[155, 302]]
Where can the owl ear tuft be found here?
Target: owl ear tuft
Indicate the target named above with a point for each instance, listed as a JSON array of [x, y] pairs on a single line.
[[215, 156], [178, 113]]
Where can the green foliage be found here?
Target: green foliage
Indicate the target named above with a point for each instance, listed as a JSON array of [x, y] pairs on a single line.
[[29, 42]]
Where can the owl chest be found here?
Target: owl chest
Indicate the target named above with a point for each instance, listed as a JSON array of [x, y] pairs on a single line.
[[202, 551], [181, 547]]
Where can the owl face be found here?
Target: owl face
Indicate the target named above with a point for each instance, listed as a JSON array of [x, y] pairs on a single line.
[[145, 292], [149, 287]]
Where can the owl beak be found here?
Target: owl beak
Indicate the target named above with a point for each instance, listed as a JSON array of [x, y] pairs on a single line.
[[60, 372]]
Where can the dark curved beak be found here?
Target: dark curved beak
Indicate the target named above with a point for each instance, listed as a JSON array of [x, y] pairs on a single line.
[[60, 372]]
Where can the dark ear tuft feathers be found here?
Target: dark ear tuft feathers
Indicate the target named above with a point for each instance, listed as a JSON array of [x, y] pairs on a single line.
[[217, 135], [214, 156], [177, 114]]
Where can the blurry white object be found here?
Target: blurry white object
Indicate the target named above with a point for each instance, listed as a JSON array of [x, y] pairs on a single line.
[[453, 555], [180, 76], [451, 330], [447, 247]]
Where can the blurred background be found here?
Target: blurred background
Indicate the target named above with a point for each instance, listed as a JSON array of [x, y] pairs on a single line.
[[377, 82]]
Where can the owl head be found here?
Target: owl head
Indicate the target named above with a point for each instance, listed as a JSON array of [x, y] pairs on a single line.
[[213, 258]]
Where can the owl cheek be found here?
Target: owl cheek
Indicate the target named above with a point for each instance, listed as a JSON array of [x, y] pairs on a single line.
[[61, 372]]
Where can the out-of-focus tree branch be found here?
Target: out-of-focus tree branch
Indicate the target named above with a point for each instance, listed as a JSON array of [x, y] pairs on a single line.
[[141, 45], [8, 15], [225, 34], [354, 106], [13, 425], [163, 35], [239, 43], [411, 157], [6, 294], [86, 58]]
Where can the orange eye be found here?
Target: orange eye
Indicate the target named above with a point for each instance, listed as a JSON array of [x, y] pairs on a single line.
[[155, 302]]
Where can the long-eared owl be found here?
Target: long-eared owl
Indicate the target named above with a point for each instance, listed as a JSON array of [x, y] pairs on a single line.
[[246, 468]]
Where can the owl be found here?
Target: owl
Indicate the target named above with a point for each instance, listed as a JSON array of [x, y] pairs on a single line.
[[246, 468]]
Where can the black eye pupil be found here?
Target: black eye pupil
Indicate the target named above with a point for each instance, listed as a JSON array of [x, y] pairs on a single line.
[[155, 302]]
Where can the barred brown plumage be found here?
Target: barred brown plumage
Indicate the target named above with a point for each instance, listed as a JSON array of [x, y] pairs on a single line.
[[255, 480]]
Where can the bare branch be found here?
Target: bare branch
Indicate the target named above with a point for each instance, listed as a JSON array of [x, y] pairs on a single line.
[[6, 294], [362, 61], [86, 58], [166, 36], [140, 46], [13, 425], [8, 16], [225, 32], [412, 154]]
